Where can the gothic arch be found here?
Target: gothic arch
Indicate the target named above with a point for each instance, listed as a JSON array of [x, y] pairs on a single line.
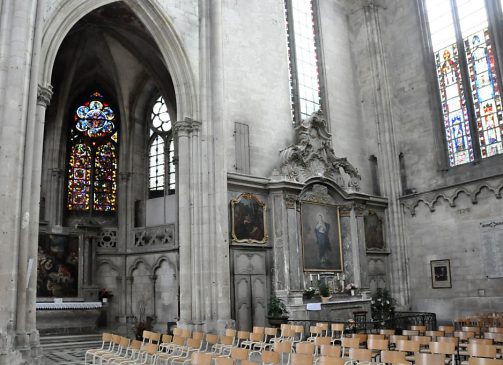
[[160, 26]]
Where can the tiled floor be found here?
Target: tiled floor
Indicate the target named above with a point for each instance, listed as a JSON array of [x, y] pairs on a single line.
[[64, 356], [67, 350]]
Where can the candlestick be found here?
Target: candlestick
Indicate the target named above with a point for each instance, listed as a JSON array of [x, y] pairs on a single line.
[[318, 277]]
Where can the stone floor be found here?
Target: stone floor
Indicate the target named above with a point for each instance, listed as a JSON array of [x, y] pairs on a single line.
[[67, 350]]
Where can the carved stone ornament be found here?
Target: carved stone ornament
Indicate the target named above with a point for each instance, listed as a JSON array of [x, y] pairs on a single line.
[[44, 95], [312, 156], [318, 194]]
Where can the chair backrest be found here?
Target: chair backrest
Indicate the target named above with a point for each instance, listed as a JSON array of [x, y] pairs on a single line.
[[288, 333], [155, 337], [243, 335], [179, 340], [483, 341], [429, 359], [481, 350], [350, 342], [337, 327], [166, 338], [283, 346], [330, 351], [227, 340], [186, 333], [423, 340], [377, 344], [475, 330], [271, 357], [315, 330], [299, 332], [330, 360], [360, 354], [239, 353], [194, 343], [396, 338], [495, 336], [483, 361], [200, 358], [136, 345], [495, 329], [257, 329], [150, 348], [419, 328], [324, 340], [446, 329], [116, 339], [361, 336], [464, 335], [323, 326], [177, 331], [224, 361], [271, 332], [301, 359], [305, 348], [373, 336], [393, 357], [211, 338], [198, 335], [124, 342], [407, 346], [231, 332], [446, 348], [434, 334], [106, 337], [257, 336], [452, 339], [285, 326], [387, 332], [410, 333]]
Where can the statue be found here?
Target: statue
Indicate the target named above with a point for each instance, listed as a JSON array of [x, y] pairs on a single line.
[[312, 156]]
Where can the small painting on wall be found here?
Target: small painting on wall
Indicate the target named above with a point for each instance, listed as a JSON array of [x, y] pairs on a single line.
[[440, 274], [248, 215], [321, 237]]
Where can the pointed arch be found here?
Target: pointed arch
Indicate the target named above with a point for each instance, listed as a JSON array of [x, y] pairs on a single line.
[[160, 27]]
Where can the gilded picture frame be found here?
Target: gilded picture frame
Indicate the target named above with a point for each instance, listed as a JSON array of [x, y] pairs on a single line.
[[441, 274], [248, 219], [321, 237]]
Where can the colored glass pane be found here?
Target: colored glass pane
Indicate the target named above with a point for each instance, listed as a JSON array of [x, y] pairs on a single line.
[[486, 94], [105, 178], [79, 177], [95, 118]]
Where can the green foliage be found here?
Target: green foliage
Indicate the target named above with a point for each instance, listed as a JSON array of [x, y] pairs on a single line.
[[309, 292], [277, 308], [324, 290], [382, 305]]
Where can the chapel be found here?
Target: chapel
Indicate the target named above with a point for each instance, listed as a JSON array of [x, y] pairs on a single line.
[[215, 164]]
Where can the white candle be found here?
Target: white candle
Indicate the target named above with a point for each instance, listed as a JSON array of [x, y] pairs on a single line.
[[337, 276], [318, 277], [311, 277], [343, 276]]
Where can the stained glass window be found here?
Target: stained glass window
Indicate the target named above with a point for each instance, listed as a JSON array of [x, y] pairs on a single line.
[[161, 167], [92, 161], [467, 77], [303, 58]]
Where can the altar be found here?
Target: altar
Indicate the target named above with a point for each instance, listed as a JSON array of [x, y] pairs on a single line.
[[68, 317], [339, 309]]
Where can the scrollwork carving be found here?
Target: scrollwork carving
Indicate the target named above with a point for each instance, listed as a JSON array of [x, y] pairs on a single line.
[[313, 156]]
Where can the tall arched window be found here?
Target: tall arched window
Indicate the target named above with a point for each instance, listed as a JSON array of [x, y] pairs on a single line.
[[468, 77], [161, 149], [92, 157]]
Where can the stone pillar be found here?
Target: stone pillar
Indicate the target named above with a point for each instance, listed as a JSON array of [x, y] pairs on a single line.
[[57, 200], [388, 155], [125, 206]]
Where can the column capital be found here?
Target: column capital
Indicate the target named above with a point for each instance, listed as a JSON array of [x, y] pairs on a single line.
[[186, 126], [44, 95]]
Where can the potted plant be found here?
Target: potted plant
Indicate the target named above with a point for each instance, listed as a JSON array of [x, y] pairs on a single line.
[[324, 292], [277, 312], [382, 306], [104, 295], [309, 293]]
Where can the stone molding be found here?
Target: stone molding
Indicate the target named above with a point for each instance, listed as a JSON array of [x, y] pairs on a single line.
[[318, 194], [186, 126], [451, 194], [312, 156], [44, 95]]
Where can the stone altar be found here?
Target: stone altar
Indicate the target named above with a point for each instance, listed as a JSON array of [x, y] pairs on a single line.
[[338, 310]]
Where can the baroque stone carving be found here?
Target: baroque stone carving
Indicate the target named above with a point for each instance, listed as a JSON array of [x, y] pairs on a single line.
[[290, 201], [312, 155], [318, 194]]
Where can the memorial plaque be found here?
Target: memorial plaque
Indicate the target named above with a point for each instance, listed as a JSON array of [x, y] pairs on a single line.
[[491, 240]]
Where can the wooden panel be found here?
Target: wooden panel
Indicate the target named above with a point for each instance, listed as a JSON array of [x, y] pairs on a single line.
[[242, 141]]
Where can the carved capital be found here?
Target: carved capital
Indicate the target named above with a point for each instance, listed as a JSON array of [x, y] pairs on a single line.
[[44, 95], [291, 200], [183, 128]]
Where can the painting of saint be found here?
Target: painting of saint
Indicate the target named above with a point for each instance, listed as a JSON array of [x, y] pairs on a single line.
[[321, 240], [248, 219], [57, 269]]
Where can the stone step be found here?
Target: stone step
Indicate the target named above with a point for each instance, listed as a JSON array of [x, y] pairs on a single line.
[[74, 341]]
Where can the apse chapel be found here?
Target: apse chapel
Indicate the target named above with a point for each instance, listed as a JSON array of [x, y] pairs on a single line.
[[170, 161]]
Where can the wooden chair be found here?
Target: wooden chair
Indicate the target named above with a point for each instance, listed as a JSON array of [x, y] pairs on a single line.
[[321, 341], [200, 358], [429, 359], [360, 354], [114, 345], [410, 333], [495, 329], [434, 334], [387, 332], [330, 351], [238, 353], [149, 356], [394, 358], [224, 361], [374, 336], [301, 359], [444, 348], [448, 330], [271, 358], [298, 336], [408, 346], [481, 350], [283, 347], [177, 331], [476, 330], [330, 360], [314, 331], [106, 343], [211, 339], [270, 334], [258, 329], [376, 345], [132, 354], [484, 361], [305, 348], [337, 332], [256, 340], [119, 353], [420, 328], [348, 343], [193, 345], [393, 339], [242, 336], [423, 340], [361, 336], [324, 328], [225, 344], [198, 335]]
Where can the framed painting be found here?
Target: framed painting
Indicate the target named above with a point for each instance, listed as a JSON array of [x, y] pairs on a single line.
[[440, 274], [321, 237], [374, 237], [248, 219], [58, 266]]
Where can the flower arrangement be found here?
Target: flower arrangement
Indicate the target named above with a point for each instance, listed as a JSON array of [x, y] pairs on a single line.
[[309, 292], [382, 305], [105, 293], [324, 290]]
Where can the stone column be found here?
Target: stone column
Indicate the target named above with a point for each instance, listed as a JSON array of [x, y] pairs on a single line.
[[388, 155], [55, 204]]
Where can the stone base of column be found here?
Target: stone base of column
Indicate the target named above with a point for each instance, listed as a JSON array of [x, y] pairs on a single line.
[[27, 350], [208, 326]]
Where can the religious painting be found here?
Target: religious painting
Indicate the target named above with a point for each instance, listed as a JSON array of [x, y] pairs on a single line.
[[440, 274], [321, 237], [248, 216], [374, 237], [58, 263]]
